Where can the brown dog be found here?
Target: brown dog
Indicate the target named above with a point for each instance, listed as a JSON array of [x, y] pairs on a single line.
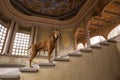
[[47, 45]]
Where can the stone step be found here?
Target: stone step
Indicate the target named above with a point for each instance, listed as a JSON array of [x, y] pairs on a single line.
[[95, 46], [112, 40], [86, 50], [9, 74], [35, 68], [104, 43], [47, 64], [75, 54], [62, 58]]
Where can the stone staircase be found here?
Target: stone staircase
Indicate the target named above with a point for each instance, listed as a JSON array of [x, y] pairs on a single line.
[[91, 63], [96, 62]]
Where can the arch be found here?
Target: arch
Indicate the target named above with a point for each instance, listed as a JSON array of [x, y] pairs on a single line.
[[79, 46], [114, 32], [96, 39]]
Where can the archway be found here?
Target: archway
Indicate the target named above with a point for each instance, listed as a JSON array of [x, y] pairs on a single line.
[[114, 32], [79, 46]]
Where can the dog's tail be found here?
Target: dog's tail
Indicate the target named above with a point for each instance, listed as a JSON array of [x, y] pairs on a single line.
[[29, 48]]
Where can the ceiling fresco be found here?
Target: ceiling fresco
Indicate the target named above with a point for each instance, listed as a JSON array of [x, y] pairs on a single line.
[[56, 9]]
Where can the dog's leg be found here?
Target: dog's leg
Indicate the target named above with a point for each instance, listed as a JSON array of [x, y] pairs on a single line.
[[33, 54], [32, 57], [49, 55]]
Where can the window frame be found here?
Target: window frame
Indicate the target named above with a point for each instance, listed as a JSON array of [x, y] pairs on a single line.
[[6, 33]]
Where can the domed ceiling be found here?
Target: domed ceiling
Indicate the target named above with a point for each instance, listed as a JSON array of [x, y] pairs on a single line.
[[55, 9]]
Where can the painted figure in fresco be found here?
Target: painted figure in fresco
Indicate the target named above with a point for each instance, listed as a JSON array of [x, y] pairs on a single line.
[[50, 7], [47, 45]]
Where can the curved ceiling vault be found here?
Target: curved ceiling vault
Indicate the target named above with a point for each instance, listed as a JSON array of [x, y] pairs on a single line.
[[109, 15], [54, 9], [72, 13]]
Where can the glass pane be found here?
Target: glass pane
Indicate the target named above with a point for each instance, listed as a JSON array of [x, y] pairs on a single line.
[[21, 41]]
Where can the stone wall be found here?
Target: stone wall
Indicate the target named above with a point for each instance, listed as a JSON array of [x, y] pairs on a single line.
[[13, 61]]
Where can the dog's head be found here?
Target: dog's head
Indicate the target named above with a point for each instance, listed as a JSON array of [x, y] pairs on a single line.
[[56, 34]]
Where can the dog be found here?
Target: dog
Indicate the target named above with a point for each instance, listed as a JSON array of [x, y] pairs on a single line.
[[47, 45]]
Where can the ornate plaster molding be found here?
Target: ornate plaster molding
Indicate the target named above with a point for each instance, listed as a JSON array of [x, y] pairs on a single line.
[[15, 15]]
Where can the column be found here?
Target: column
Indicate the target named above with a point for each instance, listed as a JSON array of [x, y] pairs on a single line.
[[13, 37], [57, 47], [8, 38], [36, 34], [87, 36], [32, 36], [75, 42]]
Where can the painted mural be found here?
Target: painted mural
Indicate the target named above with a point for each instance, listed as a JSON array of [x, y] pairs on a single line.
[[47, 7]]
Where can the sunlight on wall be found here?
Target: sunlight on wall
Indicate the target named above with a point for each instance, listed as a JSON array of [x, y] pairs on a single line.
[[96, 39], [114, 32]]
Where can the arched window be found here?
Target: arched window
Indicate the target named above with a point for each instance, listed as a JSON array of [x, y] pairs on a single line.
[[80, 45], [20, 45], [96, 39], [3, 32], [114, 32]]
